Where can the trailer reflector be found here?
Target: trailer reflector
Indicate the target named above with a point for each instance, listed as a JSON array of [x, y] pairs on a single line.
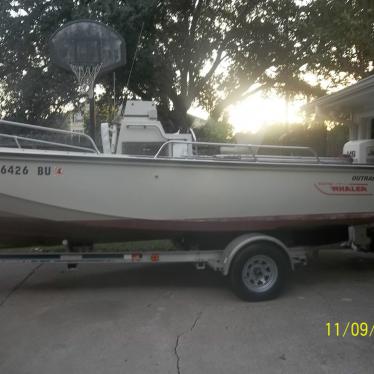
[[155, 257]]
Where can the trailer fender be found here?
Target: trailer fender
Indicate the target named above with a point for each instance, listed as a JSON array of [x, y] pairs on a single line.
[[241, 241]]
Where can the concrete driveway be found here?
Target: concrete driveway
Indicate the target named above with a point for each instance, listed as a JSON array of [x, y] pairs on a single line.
[[174, 319]]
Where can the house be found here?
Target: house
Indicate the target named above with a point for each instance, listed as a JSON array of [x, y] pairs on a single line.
[[353, 106]]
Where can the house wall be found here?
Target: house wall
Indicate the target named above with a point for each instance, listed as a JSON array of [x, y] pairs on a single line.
[[353, 131], [361, 127]]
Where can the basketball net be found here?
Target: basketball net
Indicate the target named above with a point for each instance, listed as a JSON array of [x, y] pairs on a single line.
[[86, 76]]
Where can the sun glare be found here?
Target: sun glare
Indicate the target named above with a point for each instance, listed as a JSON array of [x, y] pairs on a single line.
[[257, 112]]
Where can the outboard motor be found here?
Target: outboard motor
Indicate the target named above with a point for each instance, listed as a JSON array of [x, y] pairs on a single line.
[[361, 151]]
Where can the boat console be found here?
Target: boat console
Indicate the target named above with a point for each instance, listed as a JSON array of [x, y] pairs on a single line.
[[138, 133]]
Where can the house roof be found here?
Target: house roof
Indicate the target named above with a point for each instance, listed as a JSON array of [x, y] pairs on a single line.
[[357, 97]]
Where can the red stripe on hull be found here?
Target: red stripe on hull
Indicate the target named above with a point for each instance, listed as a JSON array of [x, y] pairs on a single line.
[[238, 224], [30, 231]]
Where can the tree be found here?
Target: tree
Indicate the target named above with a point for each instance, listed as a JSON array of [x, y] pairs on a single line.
[[210, 53], [34, 89], [337, 39], [213, 131], [218, 53], [325, 141], [24, 71]]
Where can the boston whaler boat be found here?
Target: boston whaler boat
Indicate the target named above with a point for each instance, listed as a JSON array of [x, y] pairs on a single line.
[[150, 184]]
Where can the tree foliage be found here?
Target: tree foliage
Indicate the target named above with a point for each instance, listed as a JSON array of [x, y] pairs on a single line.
[[215, 131], [325, 142], [337, 39], [215, 53], [202, 52], [34, 89]]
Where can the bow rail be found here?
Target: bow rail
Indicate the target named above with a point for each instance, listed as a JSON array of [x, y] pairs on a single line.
[[241, 151], [70, 136]]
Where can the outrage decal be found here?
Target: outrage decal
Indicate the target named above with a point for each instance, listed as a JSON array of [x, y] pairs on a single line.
[[363, 178], [331, 188]]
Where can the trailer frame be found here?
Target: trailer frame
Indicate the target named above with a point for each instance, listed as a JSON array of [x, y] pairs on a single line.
[[249, 260]]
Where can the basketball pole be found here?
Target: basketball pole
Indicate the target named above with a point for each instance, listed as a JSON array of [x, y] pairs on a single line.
[[92, 127], [92, 120]]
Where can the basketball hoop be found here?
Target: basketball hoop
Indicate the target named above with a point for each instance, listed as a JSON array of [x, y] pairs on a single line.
[[86, 76], [88, 49]]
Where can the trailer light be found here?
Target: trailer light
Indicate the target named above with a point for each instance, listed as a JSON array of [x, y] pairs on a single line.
[[155, 258]]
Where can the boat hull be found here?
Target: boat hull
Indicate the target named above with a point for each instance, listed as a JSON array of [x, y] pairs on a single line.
[[96, 198]]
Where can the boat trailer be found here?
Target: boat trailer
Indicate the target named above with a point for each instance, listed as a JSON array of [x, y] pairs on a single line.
[[256, 264]]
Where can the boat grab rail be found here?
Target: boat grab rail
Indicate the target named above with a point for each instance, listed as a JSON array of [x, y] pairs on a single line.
[[250, 147], [16, 138], [51, 130]]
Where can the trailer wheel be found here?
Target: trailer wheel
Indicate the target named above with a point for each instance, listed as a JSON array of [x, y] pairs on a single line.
[[258, 272]]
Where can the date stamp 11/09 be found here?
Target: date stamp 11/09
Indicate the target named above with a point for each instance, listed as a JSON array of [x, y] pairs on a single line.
[[339, 329]]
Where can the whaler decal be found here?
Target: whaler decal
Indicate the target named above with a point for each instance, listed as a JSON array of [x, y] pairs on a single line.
[[328, 188]]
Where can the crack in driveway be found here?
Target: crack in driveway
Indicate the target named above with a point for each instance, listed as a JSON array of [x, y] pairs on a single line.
[[20, 284], [195, 322]]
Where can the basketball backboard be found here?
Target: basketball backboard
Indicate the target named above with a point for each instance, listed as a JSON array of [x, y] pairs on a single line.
[[87, 43]]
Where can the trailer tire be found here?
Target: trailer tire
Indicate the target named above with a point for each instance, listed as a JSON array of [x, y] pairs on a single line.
[[258, 271]]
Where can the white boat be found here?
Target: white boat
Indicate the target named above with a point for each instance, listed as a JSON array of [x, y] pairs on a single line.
[[150, 184]]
